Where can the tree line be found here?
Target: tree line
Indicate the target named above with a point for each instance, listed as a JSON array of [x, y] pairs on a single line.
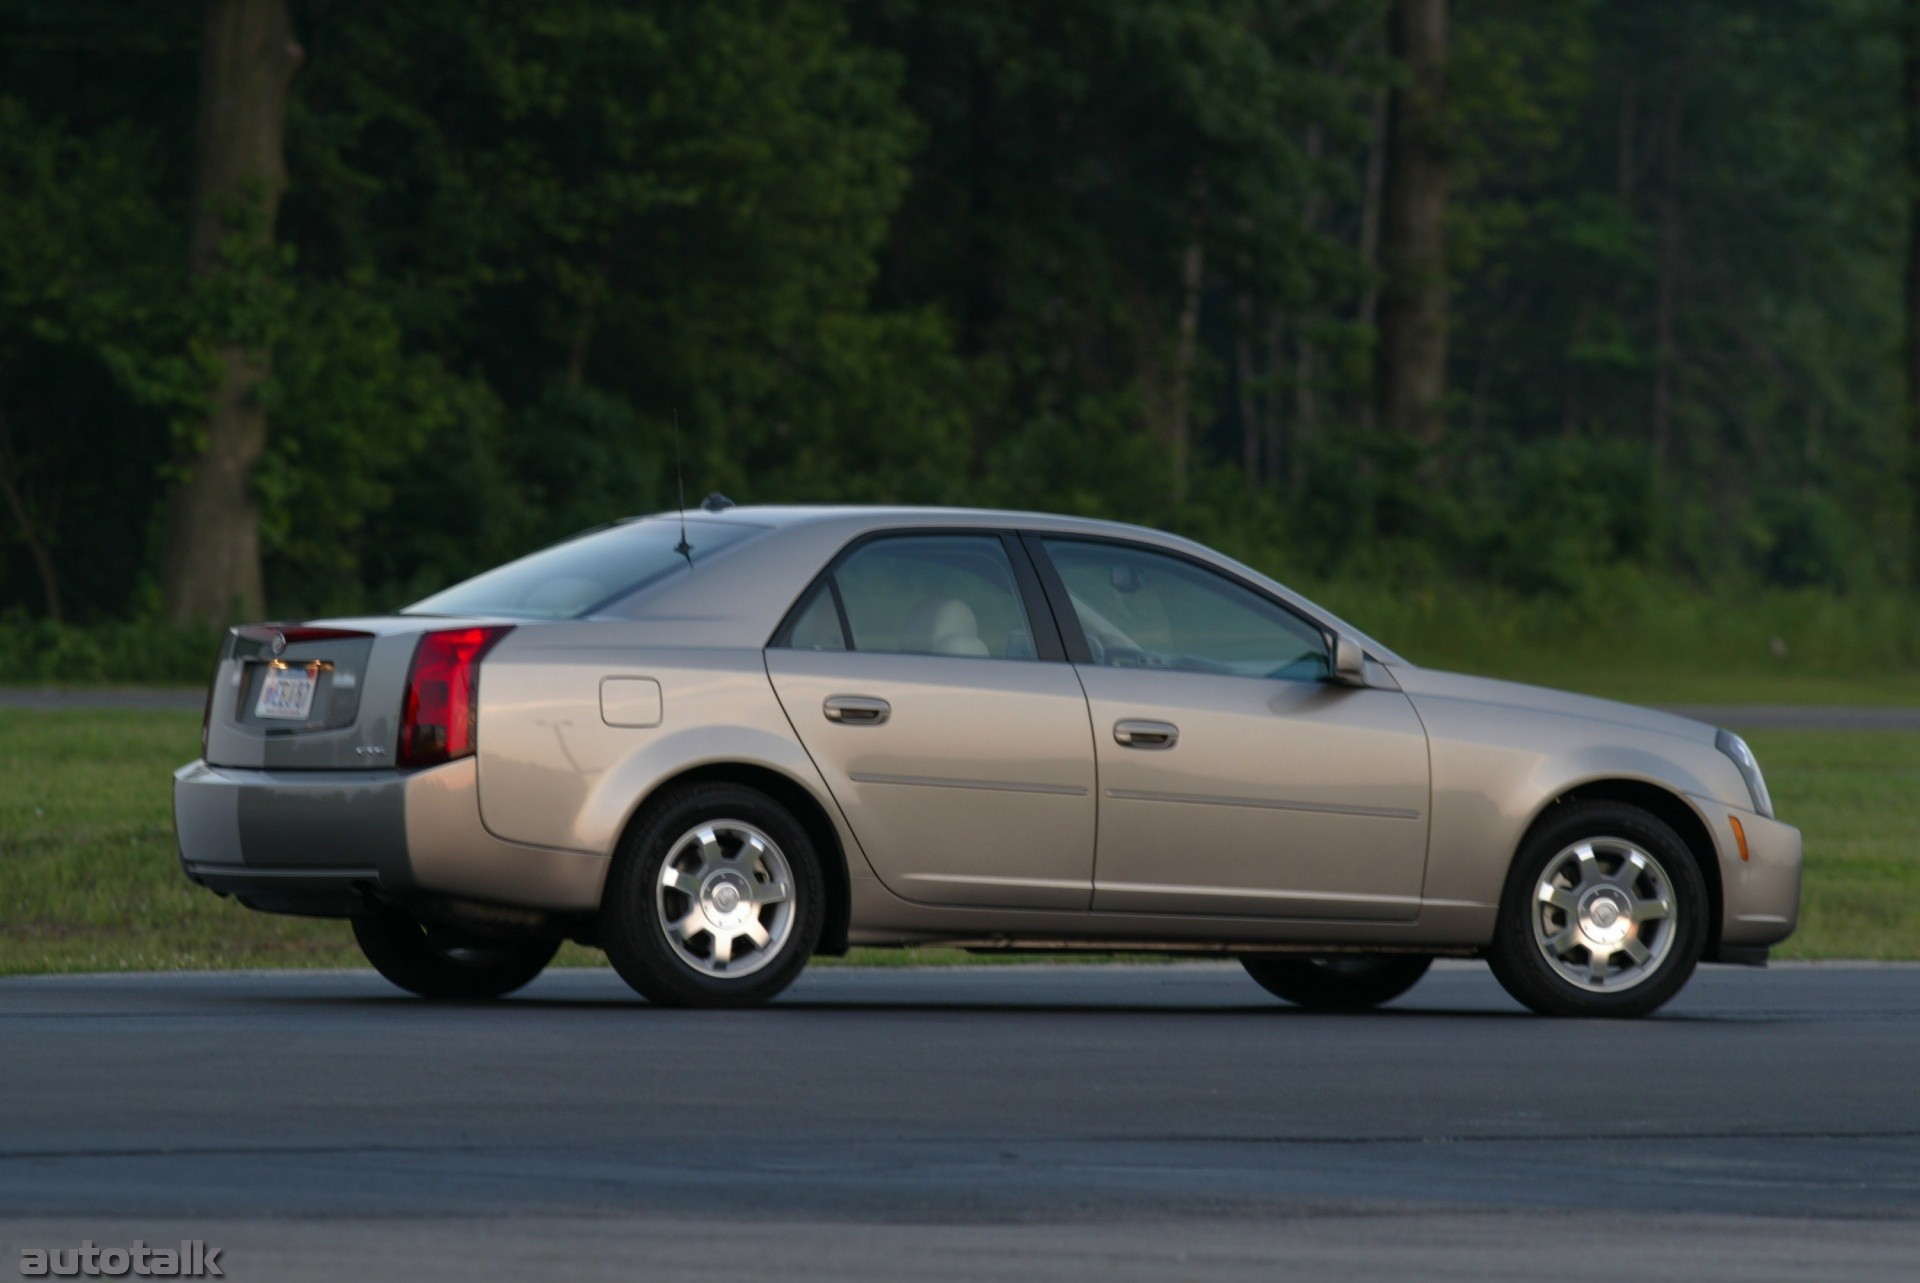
[[314, 305]]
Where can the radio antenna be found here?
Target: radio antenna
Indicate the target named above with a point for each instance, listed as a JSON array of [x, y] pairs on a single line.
[[684, 548]]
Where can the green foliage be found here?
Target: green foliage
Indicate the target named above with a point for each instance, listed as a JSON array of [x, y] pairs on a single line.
[[888, 250], [92, 356], [661, 207], [353, 412], [38, 652]]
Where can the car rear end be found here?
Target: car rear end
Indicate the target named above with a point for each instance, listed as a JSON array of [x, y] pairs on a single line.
[[317, 743], [339, 755]]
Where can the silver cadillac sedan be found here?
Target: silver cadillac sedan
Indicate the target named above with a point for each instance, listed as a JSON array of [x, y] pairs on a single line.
[[716, 744]]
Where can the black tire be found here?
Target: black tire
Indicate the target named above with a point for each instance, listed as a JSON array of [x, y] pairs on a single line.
[[1519, 960], [443, 962], [632, 910], [1338, 982]]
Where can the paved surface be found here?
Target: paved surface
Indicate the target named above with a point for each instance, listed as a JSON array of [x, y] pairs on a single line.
[[991, 1122]]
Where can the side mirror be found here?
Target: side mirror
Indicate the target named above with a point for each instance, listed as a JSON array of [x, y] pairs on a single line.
[[1349, 661]]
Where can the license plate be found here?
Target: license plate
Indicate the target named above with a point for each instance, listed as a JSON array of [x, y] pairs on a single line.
[[286, 694]]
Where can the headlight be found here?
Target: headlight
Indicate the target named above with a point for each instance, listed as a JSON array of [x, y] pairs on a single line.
[[1736, 748]]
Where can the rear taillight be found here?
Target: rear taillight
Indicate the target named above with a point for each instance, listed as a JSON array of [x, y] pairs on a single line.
[[438, 720]]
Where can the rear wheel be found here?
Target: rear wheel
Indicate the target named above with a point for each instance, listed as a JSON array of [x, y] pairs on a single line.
[[715, 899], [1604, 914], [443, 962], [1338, 982]]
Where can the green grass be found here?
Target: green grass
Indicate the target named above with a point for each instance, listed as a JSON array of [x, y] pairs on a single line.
[[1651, 642], [88, 878], [1655, 685], [89, 882], [1855, 797]]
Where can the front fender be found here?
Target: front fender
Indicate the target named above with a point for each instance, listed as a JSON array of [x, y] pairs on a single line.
[[1495, 768]]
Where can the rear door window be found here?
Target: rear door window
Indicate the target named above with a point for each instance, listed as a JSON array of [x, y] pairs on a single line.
[[952, 595]]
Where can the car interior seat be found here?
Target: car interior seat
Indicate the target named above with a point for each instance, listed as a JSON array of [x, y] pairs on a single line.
[[944, 626]]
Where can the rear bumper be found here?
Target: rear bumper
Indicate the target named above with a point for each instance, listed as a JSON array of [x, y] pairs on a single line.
[[321, 842]]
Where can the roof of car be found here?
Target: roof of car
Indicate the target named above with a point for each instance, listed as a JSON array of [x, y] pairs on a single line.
[[773, 578], [799, 514]]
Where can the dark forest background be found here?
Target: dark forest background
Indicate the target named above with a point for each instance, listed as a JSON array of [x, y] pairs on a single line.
[[315, 305]]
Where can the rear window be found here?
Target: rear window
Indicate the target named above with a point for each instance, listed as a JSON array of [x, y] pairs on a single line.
[[574, 578]]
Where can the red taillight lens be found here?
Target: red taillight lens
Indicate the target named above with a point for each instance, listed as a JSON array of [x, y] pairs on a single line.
[[437, 723]]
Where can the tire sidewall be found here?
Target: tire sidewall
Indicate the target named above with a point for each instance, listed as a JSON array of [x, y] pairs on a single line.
[[400, 949], [1516, 958], [1300, 981], [631, 930]]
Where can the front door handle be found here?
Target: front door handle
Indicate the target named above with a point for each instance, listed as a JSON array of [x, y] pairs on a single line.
[[856, 710], [1132, 734]]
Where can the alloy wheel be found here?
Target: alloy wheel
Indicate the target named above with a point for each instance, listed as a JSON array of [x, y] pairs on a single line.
[[1603, 914], [724, 899]]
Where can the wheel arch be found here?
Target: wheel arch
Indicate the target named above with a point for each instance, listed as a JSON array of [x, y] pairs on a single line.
[[805, 808], [1662, 803]]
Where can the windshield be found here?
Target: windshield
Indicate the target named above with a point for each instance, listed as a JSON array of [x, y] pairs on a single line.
[[574, 578]]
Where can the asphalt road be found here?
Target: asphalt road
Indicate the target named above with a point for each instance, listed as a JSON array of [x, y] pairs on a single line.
[[991, 1122]]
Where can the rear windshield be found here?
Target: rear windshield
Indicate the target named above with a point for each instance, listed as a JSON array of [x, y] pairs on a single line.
[[574, 578]]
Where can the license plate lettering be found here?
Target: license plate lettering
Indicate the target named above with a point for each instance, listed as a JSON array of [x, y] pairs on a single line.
[[287, 696]]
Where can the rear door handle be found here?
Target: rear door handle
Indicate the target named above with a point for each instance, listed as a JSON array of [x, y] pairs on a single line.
[[1134, 734], [856, 710]]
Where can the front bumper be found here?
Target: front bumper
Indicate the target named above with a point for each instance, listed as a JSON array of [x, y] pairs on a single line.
[[1760, 889], [320, 843]]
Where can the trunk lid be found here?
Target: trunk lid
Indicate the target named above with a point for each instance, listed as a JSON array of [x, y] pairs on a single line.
[[350, 717]]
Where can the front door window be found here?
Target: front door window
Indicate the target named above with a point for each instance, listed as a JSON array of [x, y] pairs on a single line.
[[1142, 609]]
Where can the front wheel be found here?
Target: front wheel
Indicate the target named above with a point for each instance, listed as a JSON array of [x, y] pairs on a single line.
[[443, 962], [1338, 982], [1604, 914], [715, 899]]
